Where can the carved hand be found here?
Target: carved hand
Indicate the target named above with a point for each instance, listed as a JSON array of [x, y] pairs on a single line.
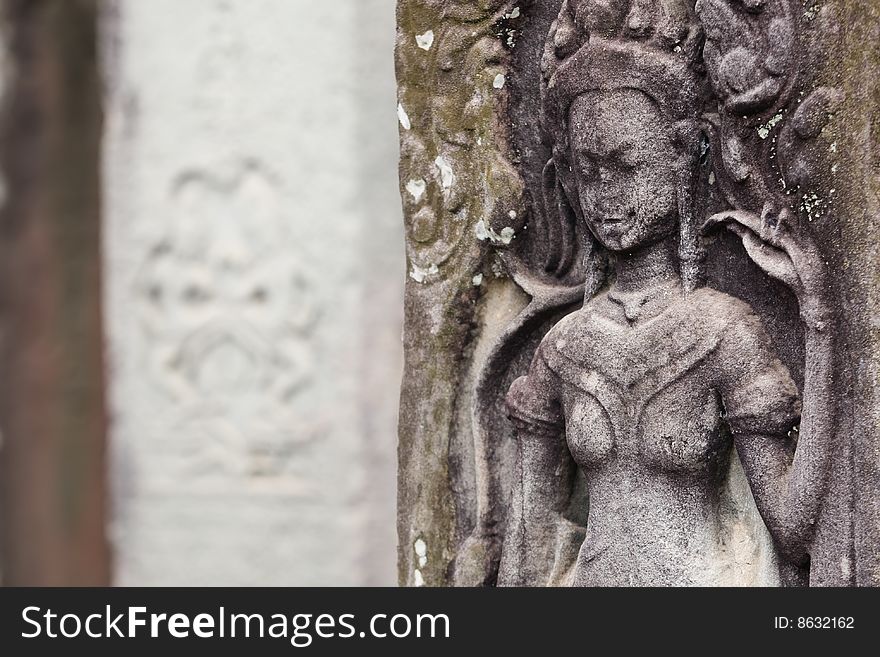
[[785, 250]]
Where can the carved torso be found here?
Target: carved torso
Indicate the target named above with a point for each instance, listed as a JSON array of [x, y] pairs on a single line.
[[648, 392]]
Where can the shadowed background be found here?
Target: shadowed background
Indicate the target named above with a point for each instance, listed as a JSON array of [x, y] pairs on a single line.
[[200, 307]]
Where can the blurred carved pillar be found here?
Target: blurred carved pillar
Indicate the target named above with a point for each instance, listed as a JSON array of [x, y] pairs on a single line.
[[51, 387], [253, 290]]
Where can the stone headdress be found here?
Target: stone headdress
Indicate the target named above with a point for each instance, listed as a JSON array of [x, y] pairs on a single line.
[[653, 46]]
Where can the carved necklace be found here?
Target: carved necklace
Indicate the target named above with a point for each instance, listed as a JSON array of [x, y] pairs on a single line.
[[633, 303]]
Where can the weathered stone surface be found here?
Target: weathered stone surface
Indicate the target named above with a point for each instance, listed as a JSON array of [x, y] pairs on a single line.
[[253, 283], [701, 177], [458, 185]]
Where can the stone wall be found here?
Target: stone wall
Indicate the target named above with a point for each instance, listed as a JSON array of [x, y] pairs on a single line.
[[770, 189]]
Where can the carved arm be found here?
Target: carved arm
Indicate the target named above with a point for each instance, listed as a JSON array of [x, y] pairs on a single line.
[[538, 531], [789, 488]]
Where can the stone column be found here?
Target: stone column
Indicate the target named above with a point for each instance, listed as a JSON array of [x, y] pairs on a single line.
[[52, 474], [253, 281]]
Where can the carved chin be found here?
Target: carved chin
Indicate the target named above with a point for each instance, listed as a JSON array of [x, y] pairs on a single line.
[[632, 232], [616, 235]]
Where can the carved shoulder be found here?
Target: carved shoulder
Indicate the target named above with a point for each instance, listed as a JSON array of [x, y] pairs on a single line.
[[570, 343], [757, 390], [534, 399], [719, 308]]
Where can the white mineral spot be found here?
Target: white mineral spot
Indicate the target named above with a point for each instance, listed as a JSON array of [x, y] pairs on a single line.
[[764, 130], [404, 118], [446, 175], [416, 189], [426, 40], [833, 168], [485, 232], [711, 177], [512, 214], [515, 13], [499, 81], [419, 275], [834, 147], [481, 231], [812, 205], [421, 552], [417, 578], [478, 280]]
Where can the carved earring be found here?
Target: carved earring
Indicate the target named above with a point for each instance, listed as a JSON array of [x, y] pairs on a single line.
[[691, 178], [570, 251]]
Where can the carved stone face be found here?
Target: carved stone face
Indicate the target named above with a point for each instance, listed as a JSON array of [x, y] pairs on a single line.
[[623, 162]]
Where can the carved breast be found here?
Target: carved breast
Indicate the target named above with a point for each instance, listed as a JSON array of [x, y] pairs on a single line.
[[652, 393], [642, 394], [589, 431], [678, 430], [681, 428]]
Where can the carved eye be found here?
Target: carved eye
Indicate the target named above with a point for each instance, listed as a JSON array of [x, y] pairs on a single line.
[[587, 169], [625, 157]]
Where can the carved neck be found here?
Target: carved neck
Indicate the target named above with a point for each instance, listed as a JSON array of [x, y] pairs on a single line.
[[646, 267]]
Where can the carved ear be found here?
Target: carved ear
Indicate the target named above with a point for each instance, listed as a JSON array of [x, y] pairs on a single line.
[[570, 252], [694, 167], [549, 223]]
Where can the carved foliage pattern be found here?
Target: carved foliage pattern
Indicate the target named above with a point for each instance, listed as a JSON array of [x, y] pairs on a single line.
[[759, 55], [458, 185], [462, 198]]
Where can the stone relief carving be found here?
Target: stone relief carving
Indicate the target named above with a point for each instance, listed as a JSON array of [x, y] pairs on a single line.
[[451, 64], [229, 313], [459, 43], [657, 434]]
